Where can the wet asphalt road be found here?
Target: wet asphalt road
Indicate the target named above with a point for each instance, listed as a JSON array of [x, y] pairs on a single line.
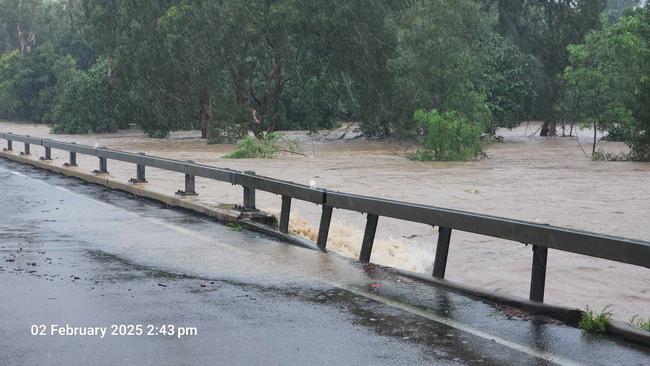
[[78, 254]]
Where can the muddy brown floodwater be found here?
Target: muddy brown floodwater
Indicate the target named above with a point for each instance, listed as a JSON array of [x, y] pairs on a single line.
[[544, 180]]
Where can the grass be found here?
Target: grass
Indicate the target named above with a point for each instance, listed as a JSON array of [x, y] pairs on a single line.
[[640, 323], [595, 322], [234, 226]]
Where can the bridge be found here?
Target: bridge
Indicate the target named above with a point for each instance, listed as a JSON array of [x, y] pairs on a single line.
[[91, 257]]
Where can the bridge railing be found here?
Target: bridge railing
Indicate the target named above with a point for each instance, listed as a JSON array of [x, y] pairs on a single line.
[[540, 236]]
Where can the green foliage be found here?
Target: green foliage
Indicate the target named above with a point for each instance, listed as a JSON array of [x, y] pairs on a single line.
[[640, 323], [447, 136], [544, 29], [90, 102], [607, 82], [595, 322], [265, 146], [230, 122], [229, 66], [234, 226], [600, 155]]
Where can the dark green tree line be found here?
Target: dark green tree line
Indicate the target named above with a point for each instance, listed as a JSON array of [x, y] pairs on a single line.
[[227, 66]]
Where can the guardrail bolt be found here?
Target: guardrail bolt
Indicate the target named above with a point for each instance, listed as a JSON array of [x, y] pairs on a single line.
[[249, 193]]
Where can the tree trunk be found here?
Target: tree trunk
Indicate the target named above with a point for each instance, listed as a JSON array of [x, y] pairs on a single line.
[[544, 131], [205, 113], [593, 148], [552, 129], [277, 70]]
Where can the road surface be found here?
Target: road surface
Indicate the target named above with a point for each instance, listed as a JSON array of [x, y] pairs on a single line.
[[76, 256]]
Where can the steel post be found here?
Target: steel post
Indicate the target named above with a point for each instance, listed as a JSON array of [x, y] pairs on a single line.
[[368, 238], [324, 227], [538, 273], [284, 214], [249, 194], [442, 250]]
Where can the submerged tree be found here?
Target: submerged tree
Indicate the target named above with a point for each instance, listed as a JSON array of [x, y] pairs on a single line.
[[544, 29], [607, 81]]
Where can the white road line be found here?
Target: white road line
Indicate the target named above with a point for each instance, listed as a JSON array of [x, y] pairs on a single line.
[[460, 326]]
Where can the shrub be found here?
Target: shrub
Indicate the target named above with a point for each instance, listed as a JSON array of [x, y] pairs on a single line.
[[447, 136], [266, 147], [595, 323]]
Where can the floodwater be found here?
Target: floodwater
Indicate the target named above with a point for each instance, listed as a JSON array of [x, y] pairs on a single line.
[[544, 180]]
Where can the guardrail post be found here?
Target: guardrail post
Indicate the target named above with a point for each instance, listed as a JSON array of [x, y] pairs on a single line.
[[249, 194], [103, 164], [73, 159], [324, 227], [190, 184], [10, 146], [140, 173], [284, 214], [368, 238], [26, 149], [442, 251], [48, 153], [538, 273]]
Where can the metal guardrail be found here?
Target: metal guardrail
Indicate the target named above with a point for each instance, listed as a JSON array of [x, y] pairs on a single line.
[[542, 237]]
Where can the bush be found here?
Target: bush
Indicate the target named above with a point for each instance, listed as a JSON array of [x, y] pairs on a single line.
[[90, 102], [447, 136], [265, 147]]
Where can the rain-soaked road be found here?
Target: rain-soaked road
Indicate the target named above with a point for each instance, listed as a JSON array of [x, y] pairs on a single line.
[[80, 255]]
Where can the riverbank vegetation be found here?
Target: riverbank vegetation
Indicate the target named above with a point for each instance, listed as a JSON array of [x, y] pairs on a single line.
[[438, 72]]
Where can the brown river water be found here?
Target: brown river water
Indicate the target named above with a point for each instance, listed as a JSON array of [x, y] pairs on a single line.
[[543, 180]]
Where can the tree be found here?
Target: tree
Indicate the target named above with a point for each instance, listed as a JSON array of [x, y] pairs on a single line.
[[606, 80], [544, 28]]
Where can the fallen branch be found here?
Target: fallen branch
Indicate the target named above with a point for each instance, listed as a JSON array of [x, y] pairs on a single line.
[[292, 152]]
